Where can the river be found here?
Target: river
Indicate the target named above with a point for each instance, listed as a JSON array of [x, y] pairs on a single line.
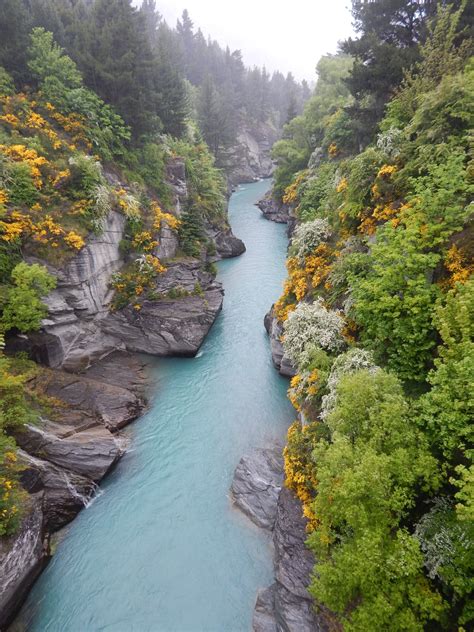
[[162, 548]]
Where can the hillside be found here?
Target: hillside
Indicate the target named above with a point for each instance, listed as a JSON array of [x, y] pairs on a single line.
[[375, 324]]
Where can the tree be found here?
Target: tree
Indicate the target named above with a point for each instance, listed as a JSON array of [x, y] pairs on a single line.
[[390, 32], [24, 309], [15, 25], [49, 64]]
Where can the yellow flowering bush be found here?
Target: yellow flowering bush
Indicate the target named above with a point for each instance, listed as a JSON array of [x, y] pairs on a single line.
[[299, 469], [136, 282], [459, 266], [160, 216]]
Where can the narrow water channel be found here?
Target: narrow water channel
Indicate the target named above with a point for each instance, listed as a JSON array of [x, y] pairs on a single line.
[[162, 549]]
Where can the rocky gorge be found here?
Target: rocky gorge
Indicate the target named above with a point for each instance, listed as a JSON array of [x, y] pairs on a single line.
[[95, 380], [249, 159]]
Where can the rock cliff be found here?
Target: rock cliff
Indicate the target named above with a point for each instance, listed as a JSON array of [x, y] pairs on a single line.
[[249, 159], [257, 489], [273, 209]]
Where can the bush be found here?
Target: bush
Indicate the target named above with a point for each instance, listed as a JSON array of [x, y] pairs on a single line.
[[308, 236], [24, 309], [312, 325]]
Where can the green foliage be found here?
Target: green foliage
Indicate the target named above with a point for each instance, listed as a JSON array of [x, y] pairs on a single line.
[[20, 184], [14, 413], [50, 66], [24, 309], [191, 233], [7, 86], [321, 123], [394, 301], [446, 542], [206, 187], [370, 568], [446, 411]]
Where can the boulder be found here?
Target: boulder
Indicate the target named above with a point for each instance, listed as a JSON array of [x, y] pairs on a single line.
[[22, 558], [257, 484], [227, 244]]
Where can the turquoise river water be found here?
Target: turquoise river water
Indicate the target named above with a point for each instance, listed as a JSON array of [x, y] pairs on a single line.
[[162, 548]]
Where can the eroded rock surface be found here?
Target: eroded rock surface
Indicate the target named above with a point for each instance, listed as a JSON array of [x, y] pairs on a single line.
[[274, 210], [171, 326], [64, 492], [257, 484], [22, 558], [249, 159], [275, 332], [293, 608]]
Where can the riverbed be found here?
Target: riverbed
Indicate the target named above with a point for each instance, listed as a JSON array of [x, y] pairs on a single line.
[[161, 548]]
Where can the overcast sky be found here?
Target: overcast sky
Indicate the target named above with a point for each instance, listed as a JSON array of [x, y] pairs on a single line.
[[288, 35]]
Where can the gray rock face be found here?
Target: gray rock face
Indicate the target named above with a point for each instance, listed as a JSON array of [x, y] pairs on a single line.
[[286, 605], [275, 332], [257, 484], [294, 608], [79, 329], [250, 158], [227, 244], [61, 461], [170, 326], [264, 613], [113, 405], [64, 493], [22, 558], [274, 210], [89, 453]]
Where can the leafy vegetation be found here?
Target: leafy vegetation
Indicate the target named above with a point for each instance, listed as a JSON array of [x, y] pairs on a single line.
[[381, 456]]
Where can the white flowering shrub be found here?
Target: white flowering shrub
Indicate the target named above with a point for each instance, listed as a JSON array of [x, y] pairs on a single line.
[[308, 236], [102, 207], [442, 537], [390, 141], [350, 362], [311, 324]]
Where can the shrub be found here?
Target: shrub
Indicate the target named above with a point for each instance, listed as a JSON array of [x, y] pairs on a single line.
[[309, 325], [24, 309], [345, 364], [308, 236]]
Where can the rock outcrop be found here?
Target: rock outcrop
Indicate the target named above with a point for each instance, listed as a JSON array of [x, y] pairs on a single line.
[[257, 484], [62, 459], [249, 159], [275, 332], [286, 604], [226, 243], [257, 489], [22, 558], [274, 210], [171, 326]]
